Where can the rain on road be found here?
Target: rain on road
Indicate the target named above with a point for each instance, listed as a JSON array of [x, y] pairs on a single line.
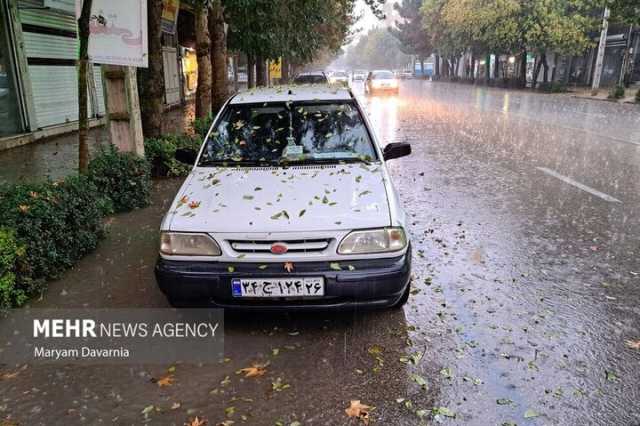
[[525, 221]]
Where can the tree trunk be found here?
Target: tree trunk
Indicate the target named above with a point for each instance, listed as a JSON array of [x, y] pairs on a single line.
[[473, 67], [436, 71], [545, 66], [251, 76], [151, 80], [567, 71], [536, 73], [496, 68], [236, 58], [523, 69], [261, 72], [284, 66], [83, 62], [219, 88], [203, 52], [487, 68]]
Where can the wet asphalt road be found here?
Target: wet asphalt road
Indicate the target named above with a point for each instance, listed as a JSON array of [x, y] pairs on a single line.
[[526, 230]]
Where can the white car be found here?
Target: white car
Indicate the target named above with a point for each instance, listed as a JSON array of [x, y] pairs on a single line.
[[339, 77], [289, 206], [381, 81]]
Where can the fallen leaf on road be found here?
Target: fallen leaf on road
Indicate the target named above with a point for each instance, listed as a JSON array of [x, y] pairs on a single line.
[[443, 411], [7, 376], [529, 414], [256, 370], [611, 376], [633, 344], [279, 386], [175, 405], [196, 422], [359, 411], [165, 381]]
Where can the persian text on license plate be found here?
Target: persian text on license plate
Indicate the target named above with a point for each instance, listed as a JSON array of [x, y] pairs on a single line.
[[277, 287]]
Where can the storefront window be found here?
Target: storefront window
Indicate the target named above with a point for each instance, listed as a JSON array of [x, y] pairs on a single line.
[[9, 112]]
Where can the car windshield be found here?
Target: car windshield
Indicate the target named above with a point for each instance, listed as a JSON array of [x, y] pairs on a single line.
[[340, 74], [310, 79], [277, 133], [382, 75]]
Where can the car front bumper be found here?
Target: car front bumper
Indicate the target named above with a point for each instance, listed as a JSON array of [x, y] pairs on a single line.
[[371, 283]]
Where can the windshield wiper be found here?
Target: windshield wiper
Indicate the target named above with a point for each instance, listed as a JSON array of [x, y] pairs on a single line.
[[346, 160], [232, 163]]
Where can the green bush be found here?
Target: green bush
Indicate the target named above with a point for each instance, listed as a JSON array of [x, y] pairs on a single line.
[[201, 126], [122, 177], [56, 223], [10, 294], [616, 92], [160, 153]]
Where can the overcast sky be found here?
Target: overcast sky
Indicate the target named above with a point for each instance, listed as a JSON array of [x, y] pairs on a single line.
[[368, 19]]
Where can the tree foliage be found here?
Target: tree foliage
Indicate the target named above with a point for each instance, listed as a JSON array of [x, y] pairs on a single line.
[[413, 38], [376, 49], [295, 29], [510, 26]]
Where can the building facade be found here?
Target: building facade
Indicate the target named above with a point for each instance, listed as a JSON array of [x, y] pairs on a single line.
[[38, 74]]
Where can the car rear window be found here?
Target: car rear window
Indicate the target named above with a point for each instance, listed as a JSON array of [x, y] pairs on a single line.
[[330, 132], [383, 75], [310, 79]]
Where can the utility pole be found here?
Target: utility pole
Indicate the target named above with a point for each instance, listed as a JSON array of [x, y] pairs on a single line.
[[601, 48]]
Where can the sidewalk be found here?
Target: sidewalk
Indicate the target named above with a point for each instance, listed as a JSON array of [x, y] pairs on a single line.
[[603, 94], [57, 157]]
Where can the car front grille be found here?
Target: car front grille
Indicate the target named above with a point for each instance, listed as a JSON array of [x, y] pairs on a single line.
[[294, 246]]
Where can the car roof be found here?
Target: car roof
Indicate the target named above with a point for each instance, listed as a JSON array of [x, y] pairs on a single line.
[[312, 73], [294, 93]]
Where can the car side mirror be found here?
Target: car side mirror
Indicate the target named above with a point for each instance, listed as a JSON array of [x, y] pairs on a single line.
[[187, 156], [396, 150]]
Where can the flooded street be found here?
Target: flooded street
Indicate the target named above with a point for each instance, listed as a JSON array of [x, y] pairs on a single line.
[[525, 225]]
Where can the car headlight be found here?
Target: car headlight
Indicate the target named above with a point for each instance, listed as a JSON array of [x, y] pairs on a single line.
[[184, 244], [394, 83], [373, 241]]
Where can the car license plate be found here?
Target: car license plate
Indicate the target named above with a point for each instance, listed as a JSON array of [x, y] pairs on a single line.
[[277, 287]]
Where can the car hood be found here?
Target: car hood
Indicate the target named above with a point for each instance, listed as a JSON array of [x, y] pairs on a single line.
[[272, 199]]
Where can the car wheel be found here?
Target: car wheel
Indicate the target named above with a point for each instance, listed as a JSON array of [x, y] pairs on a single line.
[[403, 299]]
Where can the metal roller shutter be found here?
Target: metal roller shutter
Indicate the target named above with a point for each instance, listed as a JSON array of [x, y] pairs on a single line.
[[51, 48]]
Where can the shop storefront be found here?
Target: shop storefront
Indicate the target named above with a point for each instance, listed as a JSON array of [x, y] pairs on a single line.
[[11, 121], [38, 74]]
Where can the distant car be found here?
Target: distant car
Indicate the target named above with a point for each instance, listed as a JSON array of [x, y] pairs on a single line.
[[381, 81], [406, 75], [337, 238], [339, 77], [359, 75], [317, 77]]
